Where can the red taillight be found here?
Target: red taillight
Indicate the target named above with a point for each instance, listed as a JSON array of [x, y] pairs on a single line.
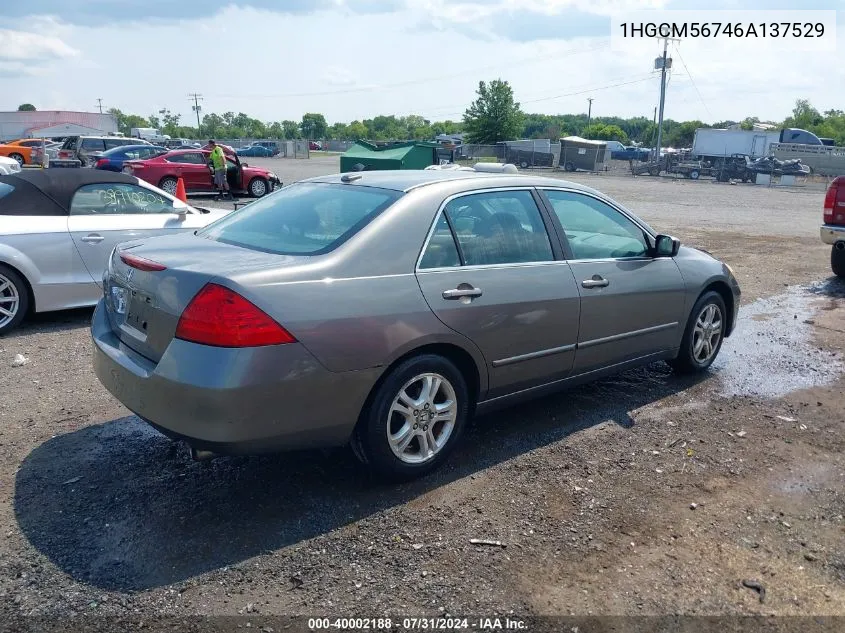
[[141, 263], [102, 161], [221, 317], [64, 154], [834, 202]]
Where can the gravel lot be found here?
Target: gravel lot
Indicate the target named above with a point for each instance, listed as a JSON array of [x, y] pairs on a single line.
[[642, 494]]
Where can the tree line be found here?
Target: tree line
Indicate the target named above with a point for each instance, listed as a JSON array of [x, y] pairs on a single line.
[[494, 116]]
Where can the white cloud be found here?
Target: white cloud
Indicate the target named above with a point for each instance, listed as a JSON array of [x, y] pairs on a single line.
[[338, 76], [25, 46]]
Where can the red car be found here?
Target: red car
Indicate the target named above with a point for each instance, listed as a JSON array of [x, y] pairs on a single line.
[[192, 165]]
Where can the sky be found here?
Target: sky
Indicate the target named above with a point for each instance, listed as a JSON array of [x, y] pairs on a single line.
[[355, 59]]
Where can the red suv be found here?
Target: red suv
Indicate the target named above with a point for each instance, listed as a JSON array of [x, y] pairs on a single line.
[[833, 230], [192, 166]]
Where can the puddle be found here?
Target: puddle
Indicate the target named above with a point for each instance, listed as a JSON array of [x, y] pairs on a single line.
[[771, 354]]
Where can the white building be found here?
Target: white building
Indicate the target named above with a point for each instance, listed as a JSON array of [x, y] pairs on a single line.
[[47, 123]]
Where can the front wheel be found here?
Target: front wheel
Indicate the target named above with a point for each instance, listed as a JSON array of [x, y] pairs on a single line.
[[14, 299], [837, 261], [694, 174], [258, 187], [414, 419], [703, 335]]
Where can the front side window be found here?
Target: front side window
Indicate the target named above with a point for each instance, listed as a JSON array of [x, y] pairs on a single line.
[[191, 158], [302, 219], [501, 227], [111, 198], [596, 230]]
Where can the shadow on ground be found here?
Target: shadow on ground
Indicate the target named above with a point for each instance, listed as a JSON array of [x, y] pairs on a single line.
[[119, 506]]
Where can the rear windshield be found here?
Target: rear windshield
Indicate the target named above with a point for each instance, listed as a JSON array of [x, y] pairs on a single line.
[[302, 219]]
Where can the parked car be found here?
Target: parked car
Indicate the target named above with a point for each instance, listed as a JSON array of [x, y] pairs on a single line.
[[58, 227], [27, 151], [114, 159], [631, 153], [9, 166], [382, 309], [52, 148], [192, 166], [833, 229], [88, 149], [273, 146], [254, 150], [315, 146]]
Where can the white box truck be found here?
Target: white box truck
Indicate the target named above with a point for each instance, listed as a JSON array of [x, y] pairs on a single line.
[[713, 144], [150, 134]]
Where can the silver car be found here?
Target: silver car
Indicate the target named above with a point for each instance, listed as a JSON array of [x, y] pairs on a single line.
[[382, 309], [59, 226]]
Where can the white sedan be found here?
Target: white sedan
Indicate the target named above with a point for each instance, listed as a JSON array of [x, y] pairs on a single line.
[[9, 166], [58, 228]]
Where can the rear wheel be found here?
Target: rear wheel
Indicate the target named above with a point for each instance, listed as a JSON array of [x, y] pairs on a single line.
[[837, 261], [18, 157], [569, 166], [14, 299], [414, 419], [703, 336], [258, 187], [168, 184], [694, 174]]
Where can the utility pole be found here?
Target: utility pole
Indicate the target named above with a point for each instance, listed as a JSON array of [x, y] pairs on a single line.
[[100, 105], [589, 110], [663, 63], [197, 108]]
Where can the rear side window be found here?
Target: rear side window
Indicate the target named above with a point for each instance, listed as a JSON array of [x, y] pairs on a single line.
[[93, 144], [302, 219], [191, 158]]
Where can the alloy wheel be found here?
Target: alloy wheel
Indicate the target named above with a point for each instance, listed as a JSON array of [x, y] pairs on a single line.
[[707, 333], [10, 300], [421, 418]]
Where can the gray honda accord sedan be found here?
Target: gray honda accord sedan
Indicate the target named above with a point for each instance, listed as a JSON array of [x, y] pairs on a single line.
[[383, 309]]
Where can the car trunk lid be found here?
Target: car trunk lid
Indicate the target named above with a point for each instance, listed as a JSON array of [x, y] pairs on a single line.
[[149, 283]]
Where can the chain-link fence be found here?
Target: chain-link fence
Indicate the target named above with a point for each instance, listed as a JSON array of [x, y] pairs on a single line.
[[299, 148]]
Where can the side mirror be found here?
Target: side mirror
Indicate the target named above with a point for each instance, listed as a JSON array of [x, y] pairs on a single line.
[[666, 246]]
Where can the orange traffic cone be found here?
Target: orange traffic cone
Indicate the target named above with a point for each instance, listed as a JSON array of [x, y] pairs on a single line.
[[180, 191]]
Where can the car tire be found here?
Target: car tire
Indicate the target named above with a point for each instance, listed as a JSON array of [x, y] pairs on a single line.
[[569, 166], [168, 184], [837, 261], [19, 158], [695, 174], [14, 298], [399, 447], [707, 311], [259, 187]]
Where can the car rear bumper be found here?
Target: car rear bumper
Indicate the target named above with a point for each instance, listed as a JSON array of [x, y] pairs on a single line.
[[831, 234], [235, 401]]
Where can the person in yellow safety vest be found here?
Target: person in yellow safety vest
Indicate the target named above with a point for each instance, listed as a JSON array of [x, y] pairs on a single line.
[[218, 163]]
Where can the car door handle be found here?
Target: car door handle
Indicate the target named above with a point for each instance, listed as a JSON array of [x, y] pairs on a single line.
[[93, 238], [596, 281], [460, 293]]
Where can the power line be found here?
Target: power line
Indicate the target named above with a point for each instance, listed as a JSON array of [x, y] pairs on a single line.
[[650, 77], [692, 81], [526, 61]]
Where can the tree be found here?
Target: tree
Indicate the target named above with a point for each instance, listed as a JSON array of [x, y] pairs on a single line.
[[313, 125], [684, 134], [291, 129], [125, 122], [604, 132], [356, 131], [494, 116], [26, 107]]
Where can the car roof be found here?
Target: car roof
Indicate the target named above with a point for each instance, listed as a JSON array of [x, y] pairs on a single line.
[[127, 148], [59, 185], [406, 180]]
